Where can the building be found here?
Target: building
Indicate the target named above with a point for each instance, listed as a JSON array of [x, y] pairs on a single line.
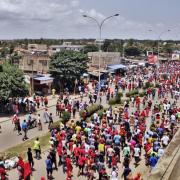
[[37, 47], [65, 46], [106, 58], [36, 62]]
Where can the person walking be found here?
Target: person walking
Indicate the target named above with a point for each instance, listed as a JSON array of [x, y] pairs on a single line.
[[49, 168], [24, 128], [50, 121], [19, 127], [46, 116], [30, 158], [37, 149]]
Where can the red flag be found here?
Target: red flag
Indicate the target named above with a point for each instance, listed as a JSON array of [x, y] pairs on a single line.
[[152, 59], [27, 170]]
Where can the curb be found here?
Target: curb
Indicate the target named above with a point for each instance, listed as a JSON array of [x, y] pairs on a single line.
[[24, 115], [1, 122]]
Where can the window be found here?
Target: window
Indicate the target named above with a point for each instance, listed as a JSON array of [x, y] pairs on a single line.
[[43, 62]]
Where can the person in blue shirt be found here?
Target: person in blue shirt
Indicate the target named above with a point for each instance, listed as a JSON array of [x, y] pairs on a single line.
[[153, 161], [117, 139], [49, 167], [24, 127]]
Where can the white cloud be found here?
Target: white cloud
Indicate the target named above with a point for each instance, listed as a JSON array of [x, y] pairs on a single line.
[[63, 18], [75, 3]]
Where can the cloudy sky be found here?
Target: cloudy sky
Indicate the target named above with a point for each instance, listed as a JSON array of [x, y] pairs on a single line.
[[63, 18]]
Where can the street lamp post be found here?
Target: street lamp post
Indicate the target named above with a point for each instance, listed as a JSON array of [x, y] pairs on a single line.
[[32, 72], [100, 24], [159, 38]]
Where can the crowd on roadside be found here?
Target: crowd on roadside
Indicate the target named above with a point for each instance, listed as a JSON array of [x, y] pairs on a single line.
[[115, 143]]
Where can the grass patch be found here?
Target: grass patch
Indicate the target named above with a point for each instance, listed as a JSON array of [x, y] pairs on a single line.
[[21, 149]]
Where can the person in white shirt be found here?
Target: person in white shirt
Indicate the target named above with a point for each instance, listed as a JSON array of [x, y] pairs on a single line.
[[87, 147], [165, 108], [160, 152], [173, 118], [110, 153], [114, 174], [165, 140], [137, 153]]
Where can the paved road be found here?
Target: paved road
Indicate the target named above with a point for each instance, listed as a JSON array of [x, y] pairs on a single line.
[[40, 165], [41, 171], [9, 138]]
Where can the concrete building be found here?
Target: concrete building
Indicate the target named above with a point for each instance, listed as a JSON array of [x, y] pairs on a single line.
[[106, 58], [37, 47], [65, 46], [36, 62]]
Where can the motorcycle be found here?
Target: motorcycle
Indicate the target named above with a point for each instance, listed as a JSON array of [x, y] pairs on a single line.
[[32, 123]]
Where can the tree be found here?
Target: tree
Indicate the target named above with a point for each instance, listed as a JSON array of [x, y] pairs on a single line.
[[167, 48], [12, 83], [106, 45], [14, 58], [130, 42], [66, 67], [90, 48], [132, 51]]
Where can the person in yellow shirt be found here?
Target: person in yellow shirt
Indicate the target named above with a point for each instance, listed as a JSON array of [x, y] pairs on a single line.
[[37, 148], [77, 129], [72, 124], [101, 148]]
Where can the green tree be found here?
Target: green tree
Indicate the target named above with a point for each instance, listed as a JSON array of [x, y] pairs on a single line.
[[167, 48], [12, 82], [90, 48], [132, 51], [130, 42], [106, 45], [14, 58], [66, 67]]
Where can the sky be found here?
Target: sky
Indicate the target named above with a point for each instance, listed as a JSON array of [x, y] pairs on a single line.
[[63, 19]]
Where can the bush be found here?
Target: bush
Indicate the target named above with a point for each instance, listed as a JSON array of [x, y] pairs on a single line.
[[55, 125], [112, 101], [90, 110], [100, 113], [66, 116], [148, 85], [132, 93], [142, 94], [116, 99], [120, 94], [157, 85]]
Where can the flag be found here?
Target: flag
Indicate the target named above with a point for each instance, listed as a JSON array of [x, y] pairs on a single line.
[[27, 170], [175, 56], [152, 59]]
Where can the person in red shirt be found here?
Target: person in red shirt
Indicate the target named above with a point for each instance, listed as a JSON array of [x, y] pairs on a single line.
[[3, 173], [81, 164], [60, 152], [38, 101], [114, 160], [69, 166], [71, 146], [46, 101], [76, 154]]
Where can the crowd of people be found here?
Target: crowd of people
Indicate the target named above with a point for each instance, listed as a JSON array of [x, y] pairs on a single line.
[[113, 144]]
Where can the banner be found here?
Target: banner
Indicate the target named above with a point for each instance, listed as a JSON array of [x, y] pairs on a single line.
[[149, 53], [152, 59], [175, 56]]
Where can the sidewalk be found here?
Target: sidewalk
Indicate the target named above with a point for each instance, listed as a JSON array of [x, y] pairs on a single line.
[[51, 103], [9, 137]]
